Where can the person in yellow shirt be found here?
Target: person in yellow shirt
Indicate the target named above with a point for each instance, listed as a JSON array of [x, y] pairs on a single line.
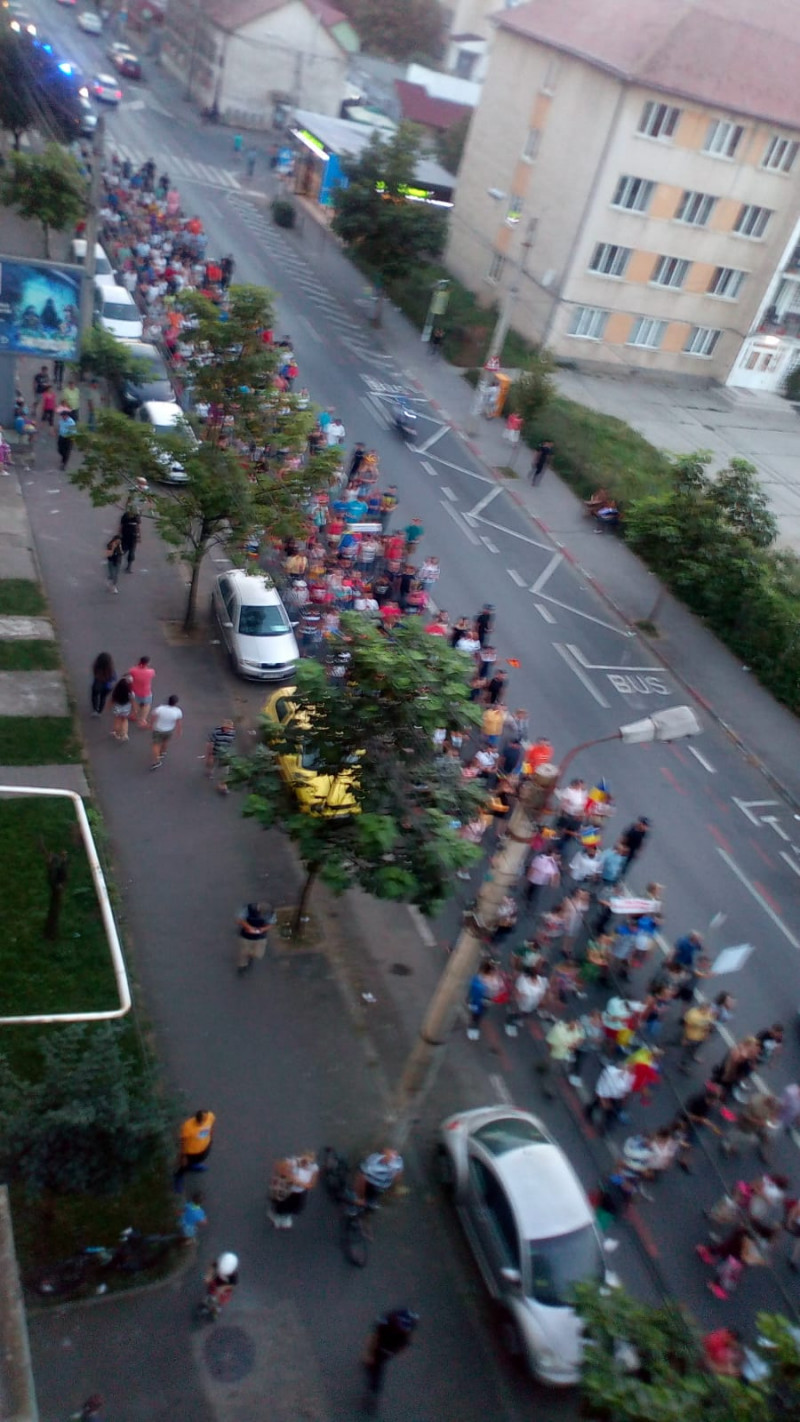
[[196, 1136], [698, 1024], [492, 724]]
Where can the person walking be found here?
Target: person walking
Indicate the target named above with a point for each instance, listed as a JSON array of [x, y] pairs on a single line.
[[633, 840], [218, 749], [220, 1281], [130, 532], [292, 1180], [392, 1334], [103, 678], [113, 561], [613, 1087], [195, 1140], [141, 677], [698, 1024], [167, 721], [192, 1217], [121, 707], [250, 161], [541, 458], [482, 989], [66, 434], [543, 872], [71, 397], [254, 924]]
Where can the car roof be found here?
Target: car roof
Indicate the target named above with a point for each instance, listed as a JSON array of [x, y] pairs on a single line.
[[547, 1197], [257, 591], [145, 350], [164, 412], [120, 295], [106, 79]]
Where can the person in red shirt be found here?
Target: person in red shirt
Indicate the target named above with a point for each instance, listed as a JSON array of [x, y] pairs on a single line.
[[141, 679], [390, 614], [440, 625], [394, 548]]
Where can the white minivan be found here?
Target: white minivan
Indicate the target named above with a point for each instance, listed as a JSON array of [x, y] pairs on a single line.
[[103, 270], [117, 312]]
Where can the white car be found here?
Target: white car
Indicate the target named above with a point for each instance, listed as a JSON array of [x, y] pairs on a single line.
[[103, 270], [255, 626], [90, 21], [117, 311], [165, 417], [531, 1228], [106, 88]]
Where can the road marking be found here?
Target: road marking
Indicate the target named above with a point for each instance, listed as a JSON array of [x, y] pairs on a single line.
[[448, 493], [548, 572], [794, 868], [772, 821], [702, 760], [375, 411], [422, 926], [499, 1086], [482, 504], [515, 577], [459, 468], [512, 533], [747, 805], [581, 675], [429, 469], [759, 898], [459, 522], [487, 542], [312, 330], [434, 439], [545, 613]]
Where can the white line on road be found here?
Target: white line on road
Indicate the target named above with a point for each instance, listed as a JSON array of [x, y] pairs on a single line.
[[499, 1086], [459, 468], [422, 926], [481, 504], [701, 759], [219, 560], [512, 532], [375, 411], [600, 666], [747, 805], [429, 469], [516, 577], [459, 522], [772, 821], [548, 572], [545, 613], [434, 439], [312, 330], [759, 898], [487, 542], [581, 675], [448, 493], [790, 862]]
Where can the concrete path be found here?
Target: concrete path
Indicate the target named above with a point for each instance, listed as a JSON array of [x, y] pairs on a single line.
[[48, 777]]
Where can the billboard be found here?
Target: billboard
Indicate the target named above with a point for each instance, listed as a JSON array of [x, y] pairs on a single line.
[[39, 309]]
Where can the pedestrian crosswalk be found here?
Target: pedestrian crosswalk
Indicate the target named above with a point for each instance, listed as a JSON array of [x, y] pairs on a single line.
[[178, 166]]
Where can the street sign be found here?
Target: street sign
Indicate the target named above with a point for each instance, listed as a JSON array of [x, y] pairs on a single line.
[[730, 960], [493, 363]]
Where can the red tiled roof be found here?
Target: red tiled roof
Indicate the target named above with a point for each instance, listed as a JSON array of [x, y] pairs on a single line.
[[418, 106], [234, 14], [739, 55]]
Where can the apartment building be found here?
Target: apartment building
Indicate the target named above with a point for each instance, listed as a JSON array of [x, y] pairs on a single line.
[[631, 184], [469, 35]]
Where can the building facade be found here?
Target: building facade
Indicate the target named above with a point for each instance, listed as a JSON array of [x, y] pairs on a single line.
[[636, 206]]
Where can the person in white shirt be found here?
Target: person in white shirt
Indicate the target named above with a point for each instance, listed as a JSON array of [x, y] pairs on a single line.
[[572, 802], [527, 993], [166, 721], [586, 866], [614, 1084]]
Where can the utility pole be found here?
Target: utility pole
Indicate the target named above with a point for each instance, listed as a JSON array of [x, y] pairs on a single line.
[[90, 258], [498, 338], [428, 1052]]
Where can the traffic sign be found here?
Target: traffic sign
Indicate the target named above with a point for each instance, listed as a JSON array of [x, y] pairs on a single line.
[[493, 363]]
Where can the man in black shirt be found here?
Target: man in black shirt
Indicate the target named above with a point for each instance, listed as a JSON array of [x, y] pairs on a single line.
[[695, 1114], [633, 838], [484, 622], [391, 1335]]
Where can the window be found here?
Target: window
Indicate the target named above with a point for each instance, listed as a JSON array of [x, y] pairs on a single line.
[[752, 221], [634, 194], [659, 120], [701, 341], [496, 267], [499, 1215], [588, 322], [509, 1133], [695, 209], [608, 260], [514, 211], [780, 154], [722, 139], [670, 271], [647, 332], [726, 281], [531, 149], [551, 77], [259, 621]]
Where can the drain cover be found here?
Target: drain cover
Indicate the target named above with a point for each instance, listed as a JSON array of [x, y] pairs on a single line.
[[401, 970], [230, 1353]]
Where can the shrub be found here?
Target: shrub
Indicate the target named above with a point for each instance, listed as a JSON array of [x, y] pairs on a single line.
[[791, 388], [283, 213]]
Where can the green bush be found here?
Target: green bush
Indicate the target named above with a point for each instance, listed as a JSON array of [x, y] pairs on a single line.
[[593, 451], [467, 326], [283, 213], [791, 388]]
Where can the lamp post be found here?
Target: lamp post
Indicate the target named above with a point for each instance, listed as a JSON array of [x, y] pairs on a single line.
[[437, 306], [427, 1054]]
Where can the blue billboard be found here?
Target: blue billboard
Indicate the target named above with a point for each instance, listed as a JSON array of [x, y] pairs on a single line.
[[39, 309]]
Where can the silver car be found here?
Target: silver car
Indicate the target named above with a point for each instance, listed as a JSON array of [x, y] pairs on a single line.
[[255, 626], [531, 1228]]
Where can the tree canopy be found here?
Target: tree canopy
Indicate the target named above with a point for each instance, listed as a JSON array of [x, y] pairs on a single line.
[[402, 30], [45, 187], [34, 92], [373, 723]]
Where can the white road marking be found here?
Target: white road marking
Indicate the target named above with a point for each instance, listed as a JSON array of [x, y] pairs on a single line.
[[459, 522], [448, 493], [548, 572], [515, 577], [459, 468], [581, 675], [429, 469], [759, 898], [375, 411], [794, 868], [487, 542], [434, 439], [481, 504], [701, 759], [600, 666], [545, 613], [219, 560], [422, 926], [747, 805], [589, 617], [772, 821], [512, 532], [499, 1086]]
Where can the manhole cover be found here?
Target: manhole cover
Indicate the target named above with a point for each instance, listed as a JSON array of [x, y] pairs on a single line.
[[230, 1353], [401, 970]]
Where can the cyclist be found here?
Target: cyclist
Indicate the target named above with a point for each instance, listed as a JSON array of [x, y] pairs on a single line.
[[376, 1174], [92, 1410], [221, 1279], [391, 1334]]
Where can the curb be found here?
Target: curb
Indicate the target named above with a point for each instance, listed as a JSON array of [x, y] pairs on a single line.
[[136, 1291]]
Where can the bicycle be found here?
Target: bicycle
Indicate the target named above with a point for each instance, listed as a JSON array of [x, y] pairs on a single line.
[[133, 1253], [354, 1236]]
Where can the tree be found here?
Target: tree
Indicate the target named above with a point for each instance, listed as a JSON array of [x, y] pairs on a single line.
[[18, 111], [374, 725], [450, 145], [103, 357], [404, 30], [45, 187], [389, 234], [534, 388], [85, 1124], [35, 92]]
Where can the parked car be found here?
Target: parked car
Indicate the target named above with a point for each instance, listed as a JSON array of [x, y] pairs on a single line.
[[255, 626], [127, 63], [317, 791], [103, 270], [117, 311], [531, 1228], [88, 117], [106, 89], [153, 383], [89, 21], [165, 418]]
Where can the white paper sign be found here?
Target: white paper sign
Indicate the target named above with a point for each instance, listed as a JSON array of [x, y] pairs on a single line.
[[730, 960]]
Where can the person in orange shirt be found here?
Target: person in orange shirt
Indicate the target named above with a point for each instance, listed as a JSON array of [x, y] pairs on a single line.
[[196, 1137], [539, 753]]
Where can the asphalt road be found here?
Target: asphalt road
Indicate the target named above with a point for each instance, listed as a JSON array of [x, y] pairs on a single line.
[[723, 843]]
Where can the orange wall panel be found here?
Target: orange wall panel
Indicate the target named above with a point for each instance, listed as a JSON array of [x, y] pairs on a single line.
[[665, 201], [618, 328], [541, 110], [700, 274], [692, 129], [640, 266], [675, 336], [725, 214]]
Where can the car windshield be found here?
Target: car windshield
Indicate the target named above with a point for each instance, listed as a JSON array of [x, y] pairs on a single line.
[[262, 621], [117, 312], [558, 1264], [509, 1133]]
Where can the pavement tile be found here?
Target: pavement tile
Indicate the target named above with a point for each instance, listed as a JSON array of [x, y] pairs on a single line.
[[17, 629], [47, 777], [40, 693]]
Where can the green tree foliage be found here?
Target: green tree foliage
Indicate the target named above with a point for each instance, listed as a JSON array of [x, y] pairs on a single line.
[[103, 357], [390, 235], [86, 1124], [34, 92], [532, 392], [450, 145], [375, 724], [45, 187], [402, 30]]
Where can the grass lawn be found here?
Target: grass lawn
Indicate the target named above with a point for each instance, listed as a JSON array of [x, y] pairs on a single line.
[[19, 597], [38, 740], [594, 450], [34, 655]]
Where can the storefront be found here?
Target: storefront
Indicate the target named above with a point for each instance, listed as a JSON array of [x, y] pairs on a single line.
[[323, 142]]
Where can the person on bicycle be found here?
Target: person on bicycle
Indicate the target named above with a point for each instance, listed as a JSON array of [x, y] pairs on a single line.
[[391, 1334], [376, 1174], [92, 1410], [221, 1279]]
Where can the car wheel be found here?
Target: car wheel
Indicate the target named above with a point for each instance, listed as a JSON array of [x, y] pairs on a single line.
[[445, 1173], [510, 1335]]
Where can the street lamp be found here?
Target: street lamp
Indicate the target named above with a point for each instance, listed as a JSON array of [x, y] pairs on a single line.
[[674, 723]]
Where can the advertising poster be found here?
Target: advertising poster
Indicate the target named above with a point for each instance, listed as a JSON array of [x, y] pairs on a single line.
[[39, 309]]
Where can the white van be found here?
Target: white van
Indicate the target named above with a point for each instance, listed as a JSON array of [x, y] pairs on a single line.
[[103, 270], [117, 312]]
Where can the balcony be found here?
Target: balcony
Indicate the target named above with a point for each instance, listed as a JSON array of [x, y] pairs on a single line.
[[777, 324], [792, 268]]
